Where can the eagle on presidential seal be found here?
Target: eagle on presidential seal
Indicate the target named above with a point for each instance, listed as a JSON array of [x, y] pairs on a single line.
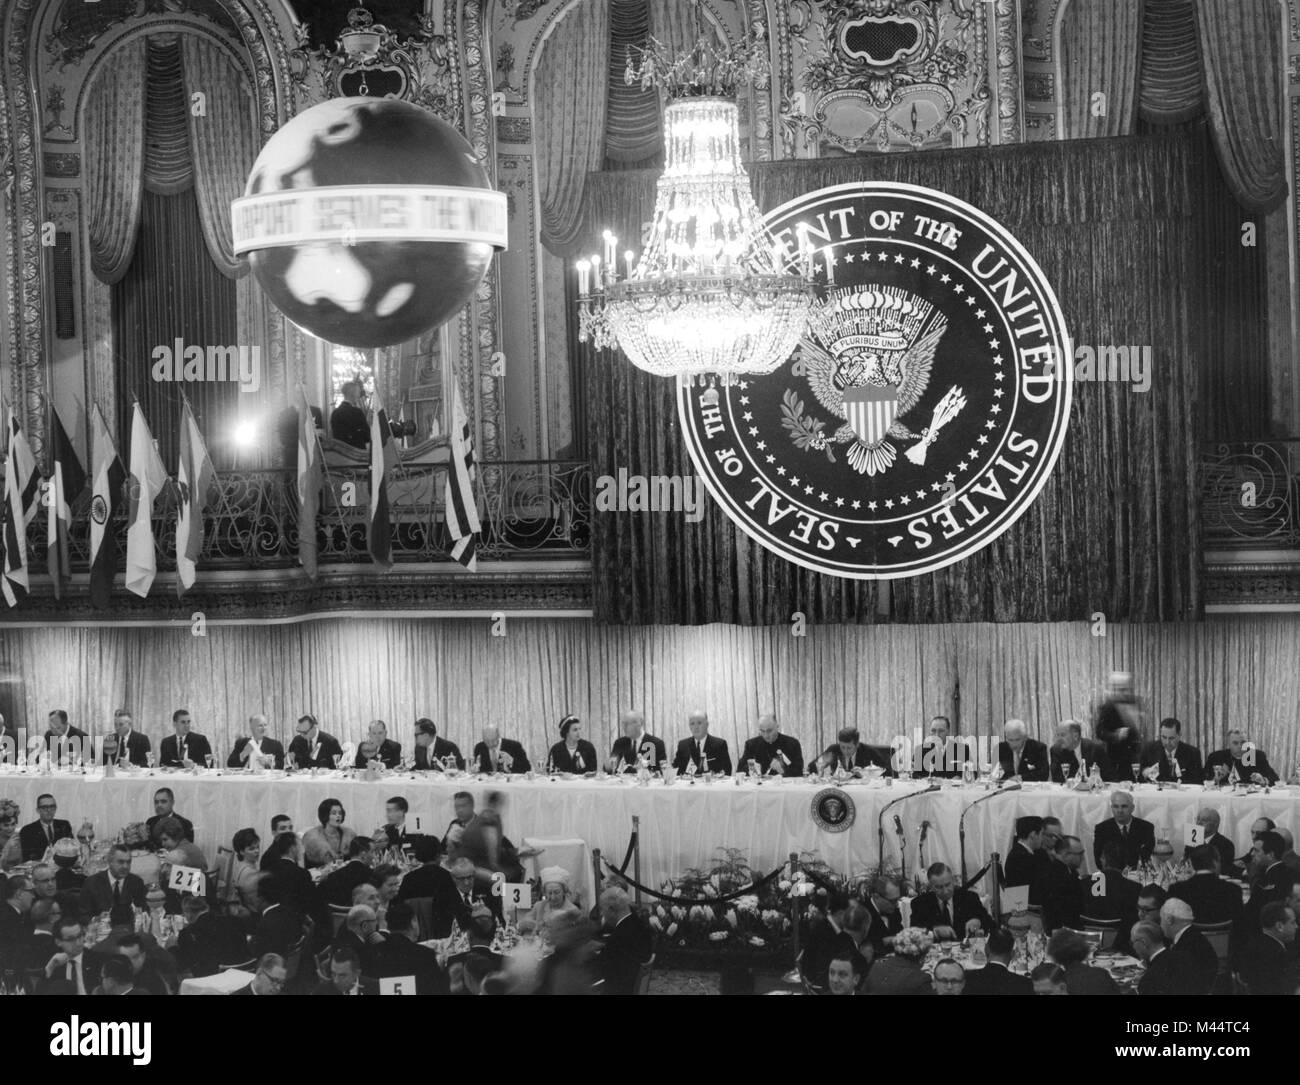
[[867, 356]]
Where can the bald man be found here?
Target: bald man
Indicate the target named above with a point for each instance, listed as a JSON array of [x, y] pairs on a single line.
[[1020, 756], [775, 754], [497, 754], [702, 752], [627, 944], [1176, 919], [636, 743], [256, 743]]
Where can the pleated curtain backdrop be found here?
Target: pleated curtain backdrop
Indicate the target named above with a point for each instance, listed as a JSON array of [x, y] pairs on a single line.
[[1101, 41], [1171, 88], [1230, 671], [1135, 234], [114, 133]]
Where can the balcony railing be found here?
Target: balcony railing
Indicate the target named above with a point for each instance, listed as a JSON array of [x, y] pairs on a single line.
[[529, 510], [1250, 495]]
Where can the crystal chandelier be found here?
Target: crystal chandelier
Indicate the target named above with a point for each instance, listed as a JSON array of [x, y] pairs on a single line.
[[713, 292]]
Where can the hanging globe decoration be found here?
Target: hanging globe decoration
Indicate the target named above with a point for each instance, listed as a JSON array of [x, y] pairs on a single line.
[[368, 221]]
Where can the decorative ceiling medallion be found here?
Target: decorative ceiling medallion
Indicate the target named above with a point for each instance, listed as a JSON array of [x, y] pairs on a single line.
[[924, 409]]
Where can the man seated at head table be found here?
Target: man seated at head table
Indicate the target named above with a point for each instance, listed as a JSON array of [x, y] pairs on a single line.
[[1019, 756], [313, 747], [186, 747], [382, 748], [1241, 760], [256, 748], [635, 745], [1169, 758], [851, 754], [131, 747], [772, 752], [942, 753], [431, 752], [1212, 899], [496, 754], [1072, 751], [996, 977], [702, 752], [948, 912]]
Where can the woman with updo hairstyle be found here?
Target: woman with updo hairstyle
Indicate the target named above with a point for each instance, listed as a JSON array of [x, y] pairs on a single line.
[[329, 842], [572, 753]]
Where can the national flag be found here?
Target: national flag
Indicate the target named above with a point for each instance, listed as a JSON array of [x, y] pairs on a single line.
[[148, 476], [195, 478], [22, 491], [66, 483], [462, 505], [383, 457], [309, 475], [110, 474]]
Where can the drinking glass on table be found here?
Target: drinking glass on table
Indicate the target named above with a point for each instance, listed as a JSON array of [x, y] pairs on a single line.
[[1137, 770], [207, 757]]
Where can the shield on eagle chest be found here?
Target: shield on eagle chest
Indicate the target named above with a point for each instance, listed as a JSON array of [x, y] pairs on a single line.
[[870, 411]]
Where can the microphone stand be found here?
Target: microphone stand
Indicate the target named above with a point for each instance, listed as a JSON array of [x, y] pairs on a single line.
[[961, 823], [881, 819]]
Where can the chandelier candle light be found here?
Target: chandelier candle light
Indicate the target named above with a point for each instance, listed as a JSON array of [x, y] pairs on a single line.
[[713, 292]]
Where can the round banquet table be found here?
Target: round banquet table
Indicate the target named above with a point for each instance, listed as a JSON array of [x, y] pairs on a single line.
[[681, 825]]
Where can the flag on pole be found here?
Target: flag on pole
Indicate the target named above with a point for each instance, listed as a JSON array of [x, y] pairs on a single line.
[[109, 476], [309, 475], [194, 481], [148, 477], [66, 483], [22, 491], [383, 457], [461, 502]]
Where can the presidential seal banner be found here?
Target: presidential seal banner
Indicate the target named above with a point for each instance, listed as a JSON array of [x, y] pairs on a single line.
[[925, 406]]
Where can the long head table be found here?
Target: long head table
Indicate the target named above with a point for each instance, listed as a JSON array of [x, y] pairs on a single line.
[[681, 825]]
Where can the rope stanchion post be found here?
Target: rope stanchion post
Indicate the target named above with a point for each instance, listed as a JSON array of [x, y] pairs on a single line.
[[636, 855], [595, 862]]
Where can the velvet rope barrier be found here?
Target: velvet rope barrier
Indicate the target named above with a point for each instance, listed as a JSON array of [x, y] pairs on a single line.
[[753, 887]]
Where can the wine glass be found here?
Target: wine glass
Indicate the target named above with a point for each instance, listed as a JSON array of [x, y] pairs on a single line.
[[208, 759], [1136, 768]]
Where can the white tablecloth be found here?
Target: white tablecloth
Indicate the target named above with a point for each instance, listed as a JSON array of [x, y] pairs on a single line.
[[681, 825], [223, 983]]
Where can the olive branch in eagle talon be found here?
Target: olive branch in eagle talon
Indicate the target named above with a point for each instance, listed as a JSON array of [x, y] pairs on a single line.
[[805, 431]]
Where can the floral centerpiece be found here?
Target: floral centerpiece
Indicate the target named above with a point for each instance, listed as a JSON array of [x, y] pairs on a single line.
[[136, 837]]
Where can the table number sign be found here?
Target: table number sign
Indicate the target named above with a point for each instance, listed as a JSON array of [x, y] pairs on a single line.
[[188, 879], [397, 985], [1193, 835], [512, 894]]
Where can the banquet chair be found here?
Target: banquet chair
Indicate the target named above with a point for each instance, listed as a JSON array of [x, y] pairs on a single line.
[[1109, 929], [1217, 934], [423, 909], [221, 884], [642, 985], [338, 916]]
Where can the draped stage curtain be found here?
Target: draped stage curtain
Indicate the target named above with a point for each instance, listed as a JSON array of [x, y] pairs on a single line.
[[1171, 86], [1100, 44], [115, 162], [1237, 670], [570, 87], [1138, 237], [632, 128]]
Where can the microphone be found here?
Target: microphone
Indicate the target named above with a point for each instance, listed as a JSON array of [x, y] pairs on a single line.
[[898, 825], [925, 829], [961, 822]]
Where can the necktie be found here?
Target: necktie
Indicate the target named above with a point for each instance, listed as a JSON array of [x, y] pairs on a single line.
[[945, 914], [182, 751], [49, 832], [117, 891], [74, 976]]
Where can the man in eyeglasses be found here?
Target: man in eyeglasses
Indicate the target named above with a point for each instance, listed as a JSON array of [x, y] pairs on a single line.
[[270, 978], [39, 836]]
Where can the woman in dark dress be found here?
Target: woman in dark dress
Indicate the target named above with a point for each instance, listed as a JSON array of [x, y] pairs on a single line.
[[574, 753]]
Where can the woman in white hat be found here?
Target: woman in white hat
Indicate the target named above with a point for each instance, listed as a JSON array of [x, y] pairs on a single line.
[[555, 902]]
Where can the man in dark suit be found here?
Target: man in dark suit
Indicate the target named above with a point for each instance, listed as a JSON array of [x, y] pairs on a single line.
[[8, 742], [497, 754], [1071, 750], [71, 971], [279, 927], [1020, 756], [996, 977], [65, 742], [433, 881], [1241, 759], [1212, 900], [209, 940], [1026, 859], [1176, 919], [1263, 962], [387, 752], [1173, 759], [348, 420], [1208, 819], [1108, 895], [337, 886], [947, 911], [132, 746], [468, 901], [32, 952], [775, 754], [345, 975], [164, 807], [313, 748], [627, 944], [702, 752], [430, 750], [942, 754], [1059, 889], [820, 939], [186, 747], [113, 887], [1136, 836], [851, 754], [257, 743], [269, 979], [37, 836], [396, 832], [1275, 879], [15, 916], [635, 744], [1118, 724], [401, 955], [886, 916], [1167, 973]]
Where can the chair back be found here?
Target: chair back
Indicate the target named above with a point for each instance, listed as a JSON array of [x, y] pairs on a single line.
[[249, 965], [423, 909], [642, 985], [221, 880], [1217, 934], [338, 916], [1107, 928]]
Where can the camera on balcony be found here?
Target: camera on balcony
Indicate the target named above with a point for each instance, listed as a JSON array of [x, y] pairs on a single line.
[[402, 429]]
